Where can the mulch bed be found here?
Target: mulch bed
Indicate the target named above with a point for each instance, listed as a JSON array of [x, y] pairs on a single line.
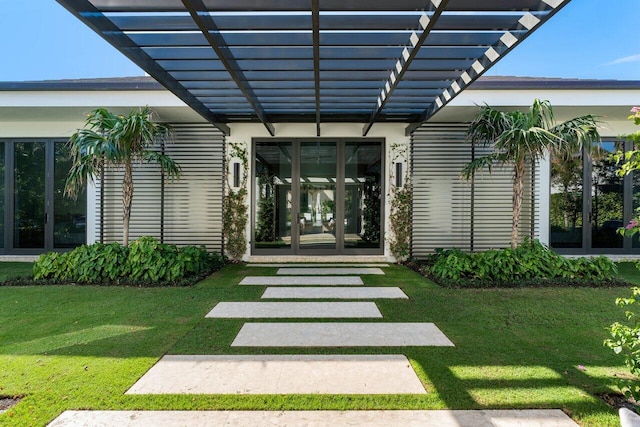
[[619, 401], [8, 402]]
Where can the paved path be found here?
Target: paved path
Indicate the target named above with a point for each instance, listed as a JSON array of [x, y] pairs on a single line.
[[304, 373], [495, 418]]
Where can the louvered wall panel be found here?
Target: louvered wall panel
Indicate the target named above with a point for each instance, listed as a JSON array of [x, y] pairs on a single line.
[[193, 204], [441, 208], [193, 207], [444, 216]]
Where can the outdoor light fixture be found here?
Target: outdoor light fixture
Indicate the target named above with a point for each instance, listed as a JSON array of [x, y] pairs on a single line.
[[398, 174], [236, 174]]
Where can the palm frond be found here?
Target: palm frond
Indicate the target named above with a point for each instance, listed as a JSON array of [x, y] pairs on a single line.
[[166, 163], [576, 133], [488, 124], [480, 163]]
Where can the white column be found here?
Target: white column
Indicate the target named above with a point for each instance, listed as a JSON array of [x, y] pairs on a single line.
[[543, 196]]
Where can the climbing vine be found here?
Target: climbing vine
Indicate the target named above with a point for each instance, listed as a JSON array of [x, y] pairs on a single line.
[[235, 205], [266, 218], [401, 200]]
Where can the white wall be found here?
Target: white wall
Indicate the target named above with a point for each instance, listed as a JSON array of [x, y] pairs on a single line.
[[393, 133]]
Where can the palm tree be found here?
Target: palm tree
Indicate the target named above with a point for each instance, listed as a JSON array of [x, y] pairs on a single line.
[[517, 137], [110, 140]]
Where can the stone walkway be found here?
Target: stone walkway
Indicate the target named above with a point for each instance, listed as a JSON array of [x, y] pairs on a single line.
[[305, 373]]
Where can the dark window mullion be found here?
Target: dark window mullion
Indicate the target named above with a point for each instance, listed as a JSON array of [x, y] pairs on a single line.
[[48, 195]]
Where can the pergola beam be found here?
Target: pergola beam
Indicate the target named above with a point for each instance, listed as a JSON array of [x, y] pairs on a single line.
[[396, 75], [95, 19], [509, 40], [200, 15], [315, 19]]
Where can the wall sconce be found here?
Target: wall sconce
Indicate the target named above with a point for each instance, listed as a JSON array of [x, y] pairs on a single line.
[[236, 174], [399, 174]]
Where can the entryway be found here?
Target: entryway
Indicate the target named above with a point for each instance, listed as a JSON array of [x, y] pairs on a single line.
[[318, 197]]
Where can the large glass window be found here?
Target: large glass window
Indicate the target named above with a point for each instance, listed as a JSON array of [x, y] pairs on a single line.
[[2, 199], [33, 175], [29, 195], [273, 195], [636, 205], [363, 191], [588, 199], [607, 198], [566, 201], [70, 216]]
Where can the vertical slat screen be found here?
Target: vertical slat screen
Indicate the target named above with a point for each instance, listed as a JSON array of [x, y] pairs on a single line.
[[192, 205], [441, 200], [444, 211]]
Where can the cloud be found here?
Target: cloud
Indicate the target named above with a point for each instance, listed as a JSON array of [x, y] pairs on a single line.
[[625, 60]]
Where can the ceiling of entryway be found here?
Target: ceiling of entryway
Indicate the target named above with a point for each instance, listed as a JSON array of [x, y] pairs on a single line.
[[314, 60]]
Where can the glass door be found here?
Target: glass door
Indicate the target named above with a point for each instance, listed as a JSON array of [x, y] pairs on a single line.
[[35, 216], [273, 196], [317, 208], [30, 216], [607, 198], [318, 197], [589, 202]]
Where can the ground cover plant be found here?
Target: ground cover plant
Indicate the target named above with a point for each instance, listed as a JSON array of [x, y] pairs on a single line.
[[145, 262], [530, 264], [515, 348]]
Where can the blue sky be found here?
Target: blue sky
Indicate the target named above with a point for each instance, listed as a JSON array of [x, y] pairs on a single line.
[[587, 39]]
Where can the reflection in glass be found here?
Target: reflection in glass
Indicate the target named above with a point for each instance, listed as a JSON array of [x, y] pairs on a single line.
[[636, 206], [273, 195], [317, 217], [70, 221], [566, 201], [363, 188], [607, 211], [2, 194], [29, 203]]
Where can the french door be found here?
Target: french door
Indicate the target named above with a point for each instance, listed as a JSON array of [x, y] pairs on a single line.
[[590, 202], [318, 197], [35, 216]]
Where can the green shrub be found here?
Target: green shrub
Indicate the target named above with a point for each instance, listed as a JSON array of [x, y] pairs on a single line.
[[145, 261], [531, 261], [625, 340]]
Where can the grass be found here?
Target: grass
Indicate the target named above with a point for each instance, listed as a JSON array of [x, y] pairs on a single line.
[[66, 347], [629, 272], [10, 270]]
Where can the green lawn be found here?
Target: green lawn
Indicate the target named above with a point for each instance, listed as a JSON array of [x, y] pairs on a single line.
[[66, 347], [10, 270]]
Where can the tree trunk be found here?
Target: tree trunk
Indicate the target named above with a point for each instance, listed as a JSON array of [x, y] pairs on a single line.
[[518, 192], [127, 198]]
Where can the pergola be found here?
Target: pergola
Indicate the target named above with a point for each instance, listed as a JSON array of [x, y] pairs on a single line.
[[315, 61]]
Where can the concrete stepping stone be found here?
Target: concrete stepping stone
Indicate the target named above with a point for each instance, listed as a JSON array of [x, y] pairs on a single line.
[[317, 265], [334, 293], [289, 310], [280, 374], [322, 271], [324, 334], [301, 280], [388, 418]]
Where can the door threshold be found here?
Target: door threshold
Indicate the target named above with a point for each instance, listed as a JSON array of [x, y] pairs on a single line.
[[334, 259]]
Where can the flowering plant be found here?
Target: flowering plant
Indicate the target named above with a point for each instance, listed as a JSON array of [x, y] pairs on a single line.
[[628, 162]]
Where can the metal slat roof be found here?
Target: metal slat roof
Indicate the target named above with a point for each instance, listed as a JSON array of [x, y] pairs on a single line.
[[315, 60]]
